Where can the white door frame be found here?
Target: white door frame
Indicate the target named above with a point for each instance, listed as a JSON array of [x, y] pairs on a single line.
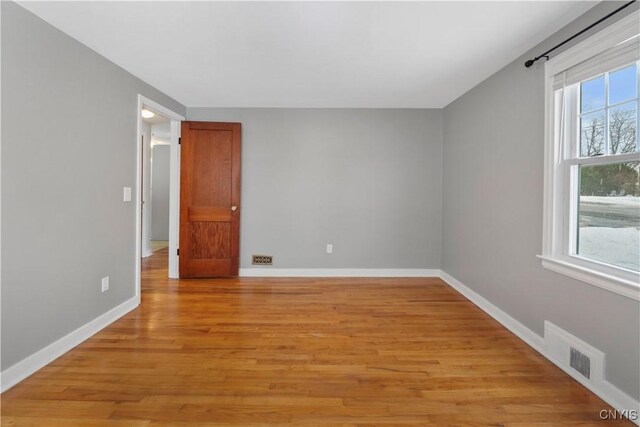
[[174, 186]]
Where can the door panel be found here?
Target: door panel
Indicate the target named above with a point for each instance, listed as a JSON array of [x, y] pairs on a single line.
[[210, 240], [209, 199]]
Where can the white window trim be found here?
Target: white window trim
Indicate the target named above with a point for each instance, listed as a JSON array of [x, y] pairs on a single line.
[[554, 256]]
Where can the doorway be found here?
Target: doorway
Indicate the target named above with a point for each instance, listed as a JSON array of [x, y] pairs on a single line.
[[159, 209], [156, 142], [158, 127]]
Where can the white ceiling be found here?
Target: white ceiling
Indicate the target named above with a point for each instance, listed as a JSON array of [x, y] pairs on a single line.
[[311, 54]]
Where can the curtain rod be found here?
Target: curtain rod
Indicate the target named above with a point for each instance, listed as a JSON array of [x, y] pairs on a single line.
[[530, 62]]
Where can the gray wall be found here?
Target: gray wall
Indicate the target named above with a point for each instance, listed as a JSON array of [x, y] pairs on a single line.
[[367, 181], [160, 192], [492, 227], [64, 224]]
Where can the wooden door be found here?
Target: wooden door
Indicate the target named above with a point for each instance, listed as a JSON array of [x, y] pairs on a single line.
[[209, 199]]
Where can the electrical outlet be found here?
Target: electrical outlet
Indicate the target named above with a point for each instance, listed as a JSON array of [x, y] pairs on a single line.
[[105, 284], [329, 248]]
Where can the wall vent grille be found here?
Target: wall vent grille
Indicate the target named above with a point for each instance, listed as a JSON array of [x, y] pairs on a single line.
[[578, 358], [262, 260], [580, 362]]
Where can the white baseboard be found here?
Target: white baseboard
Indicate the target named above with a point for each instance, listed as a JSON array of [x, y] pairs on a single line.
[[524, 333], [618, 399], [21, 370], [339, 272], [615, 397]]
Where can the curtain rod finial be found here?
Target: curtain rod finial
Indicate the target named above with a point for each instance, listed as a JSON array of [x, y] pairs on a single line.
[[529, 63]]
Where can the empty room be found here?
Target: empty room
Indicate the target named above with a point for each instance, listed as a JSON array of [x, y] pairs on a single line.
[[324, 213]]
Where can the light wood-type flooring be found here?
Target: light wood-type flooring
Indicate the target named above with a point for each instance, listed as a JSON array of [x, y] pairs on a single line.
[[300, 352]]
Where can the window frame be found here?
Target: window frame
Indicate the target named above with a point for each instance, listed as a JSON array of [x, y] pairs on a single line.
[[560, 171]]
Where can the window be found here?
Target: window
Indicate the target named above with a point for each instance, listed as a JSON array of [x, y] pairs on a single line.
[[592, 164], [608, 197]]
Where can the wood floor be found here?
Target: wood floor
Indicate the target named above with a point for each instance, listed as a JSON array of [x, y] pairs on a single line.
[[303, 352]]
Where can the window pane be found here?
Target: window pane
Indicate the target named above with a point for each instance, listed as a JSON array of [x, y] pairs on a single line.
[[592, 94], [622, 128], [623, 85], [609, 214], [592, 134]]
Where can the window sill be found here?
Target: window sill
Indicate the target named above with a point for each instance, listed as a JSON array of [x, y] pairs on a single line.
[[627, 288]]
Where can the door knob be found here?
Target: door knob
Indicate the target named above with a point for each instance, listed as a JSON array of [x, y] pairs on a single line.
[[234, 207]]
